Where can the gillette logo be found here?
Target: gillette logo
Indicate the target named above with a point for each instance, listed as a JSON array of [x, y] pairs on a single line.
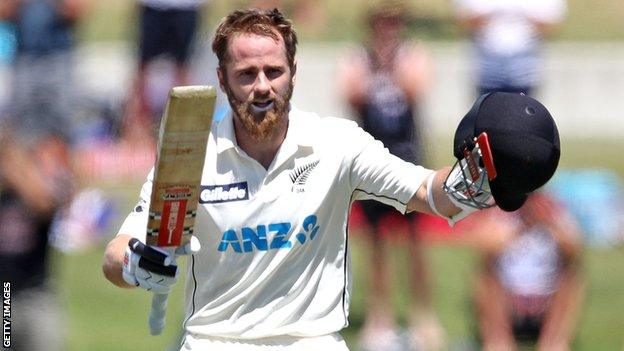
[[213, 194]]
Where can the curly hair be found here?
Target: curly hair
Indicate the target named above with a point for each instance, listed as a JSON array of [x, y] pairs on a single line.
[[270, 23]]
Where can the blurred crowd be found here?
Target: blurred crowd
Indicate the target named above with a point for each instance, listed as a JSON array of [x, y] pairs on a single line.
[[55, 141]]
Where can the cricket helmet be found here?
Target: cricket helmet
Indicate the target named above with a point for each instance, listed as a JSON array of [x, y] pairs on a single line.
[[523, 142]]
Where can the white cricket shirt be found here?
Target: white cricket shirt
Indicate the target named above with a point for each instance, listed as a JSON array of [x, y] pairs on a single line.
[[274, 258]]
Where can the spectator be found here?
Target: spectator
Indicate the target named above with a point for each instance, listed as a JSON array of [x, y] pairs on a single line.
[[529, 289], [507, 37], [384, 82], [36, 183], [43, 66], [166, 28], [36, 179]]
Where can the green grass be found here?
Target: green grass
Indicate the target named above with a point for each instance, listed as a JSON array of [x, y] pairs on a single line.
[[102, 317], [589, 20], [111, 20], [602, 323]]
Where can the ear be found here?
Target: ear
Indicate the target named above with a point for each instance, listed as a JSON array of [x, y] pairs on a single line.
[[221, 75]]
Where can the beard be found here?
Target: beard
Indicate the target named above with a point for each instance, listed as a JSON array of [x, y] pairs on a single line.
[[260, 124]]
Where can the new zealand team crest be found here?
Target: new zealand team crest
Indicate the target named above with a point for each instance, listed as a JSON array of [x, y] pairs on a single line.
[[299, 176]]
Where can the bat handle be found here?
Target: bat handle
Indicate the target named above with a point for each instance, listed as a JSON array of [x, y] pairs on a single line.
[[158, 313]]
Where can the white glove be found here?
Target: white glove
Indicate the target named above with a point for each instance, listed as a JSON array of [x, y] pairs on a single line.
[[467, 186], [151, 268]]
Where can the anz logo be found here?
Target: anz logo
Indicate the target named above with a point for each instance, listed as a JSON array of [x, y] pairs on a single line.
[[272, 236]]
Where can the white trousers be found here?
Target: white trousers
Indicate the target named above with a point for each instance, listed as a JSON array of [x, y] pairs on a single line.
[[331, 342]]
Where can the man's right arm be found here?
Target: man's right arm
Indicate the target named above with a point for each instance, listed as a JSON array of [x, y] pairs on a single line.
[[128, 262], [134, 224], [113, 260]]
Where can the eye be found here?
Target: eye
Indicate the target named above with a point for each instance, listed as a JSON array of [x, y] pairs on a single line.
[[246, 73], [246, 76], [273, 73]]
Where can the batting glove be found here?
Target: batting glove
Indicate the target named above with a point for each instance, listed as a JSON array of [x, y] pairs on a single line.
[[467, 186], [151, 268]]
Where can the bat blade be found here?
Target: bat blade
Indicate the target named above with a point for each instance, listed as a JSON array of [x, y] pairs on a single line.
[[182, 141]]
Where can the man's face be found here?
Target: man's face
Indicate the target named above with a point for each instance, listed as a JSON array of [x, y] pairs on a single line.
[[258, 82]]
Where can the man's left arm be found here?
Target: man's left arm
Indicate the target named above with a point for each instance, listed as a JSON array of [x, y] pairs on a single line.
[[454, 192], [443, 204]]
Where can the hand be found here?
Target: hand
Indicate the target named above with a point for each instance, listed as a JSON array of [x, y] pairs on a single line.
[[151, 268], [468, 184]]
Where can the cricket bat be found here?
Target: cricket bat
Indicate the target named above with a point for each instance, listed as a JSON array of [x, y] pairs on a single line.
[[182, 140]]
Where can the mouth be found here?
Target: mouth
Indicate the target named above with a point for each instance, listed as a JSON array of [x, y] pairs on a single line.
[[262, 106]]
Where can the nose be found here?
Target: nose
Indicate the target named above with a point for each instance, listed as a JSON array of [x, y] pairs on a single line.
[[262, 86]]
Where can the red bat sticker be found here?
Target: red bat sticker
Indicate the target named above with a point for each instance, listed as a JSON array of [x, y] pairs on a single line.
[[174, 210]]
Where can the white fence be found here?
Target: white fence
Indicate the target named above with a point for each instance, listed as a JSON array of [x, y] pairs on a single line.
[[583, 83], [583, 86]]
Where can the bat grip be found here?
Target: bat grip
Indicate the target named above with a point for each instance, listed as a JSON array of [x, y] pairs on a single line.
[[158, 313]]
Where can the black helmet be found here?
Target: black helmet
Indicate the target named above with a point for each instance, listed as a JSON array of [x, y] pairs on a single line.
[[523, 140]]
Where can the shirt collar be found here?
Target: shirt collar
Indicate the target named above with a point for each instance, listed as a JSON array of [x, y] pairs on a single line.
[[225, 137]]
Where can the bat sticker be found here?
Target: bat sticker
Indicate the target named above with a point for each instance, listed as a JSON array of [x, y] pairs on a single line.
[[173, 214]]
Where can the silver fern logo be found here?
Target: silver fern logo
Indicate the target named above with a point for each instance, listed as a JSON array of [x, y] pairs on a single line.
[[299, 176]]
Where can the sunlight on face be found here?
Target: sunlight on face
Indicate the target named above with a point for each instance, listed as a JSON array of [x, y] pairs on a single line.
[[258, 82]]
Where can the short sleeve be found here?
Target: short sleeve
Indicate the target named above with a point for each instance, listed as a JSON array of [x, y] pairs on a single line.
[[376, 174], [136, 222]]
